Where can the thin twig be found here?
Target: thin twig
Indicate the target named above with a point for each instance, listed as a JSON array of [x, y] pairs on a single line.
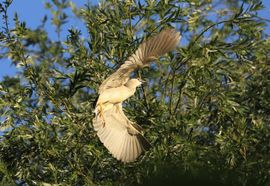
[[205, 30]]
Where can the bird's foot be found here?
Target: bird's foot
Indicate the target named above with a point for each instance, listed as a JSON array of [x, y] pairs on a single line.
[[102, 115], [103, 119]]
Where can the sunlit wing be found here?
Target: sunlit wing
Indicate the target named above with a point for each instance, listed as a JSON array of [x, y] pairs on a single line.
[[119, 135], [149, 50]]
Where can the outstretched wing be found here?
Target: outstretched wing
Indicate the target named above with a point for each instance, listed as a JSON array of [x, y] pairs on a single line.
[[149, 50], [119, 135]]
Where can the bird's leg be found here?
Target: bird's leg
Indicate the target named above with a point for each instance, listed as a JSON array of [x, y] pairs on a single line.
[[101, 114]]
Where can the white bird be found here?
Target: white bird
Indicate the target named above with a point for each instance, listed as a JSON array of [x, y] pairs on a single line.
[[122, 137]]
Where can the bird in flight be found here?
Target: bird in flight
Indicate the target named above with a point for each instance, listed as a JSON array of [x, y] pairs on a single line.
[[122, 137]]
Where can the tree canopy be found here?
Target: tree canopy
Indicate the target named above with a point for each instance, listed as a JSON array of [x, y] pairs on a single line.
[[205, 110]]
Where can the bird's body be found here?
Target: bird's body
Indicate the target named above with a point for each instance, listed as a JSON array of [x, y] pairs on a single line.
[[119, 94], [122, 137]]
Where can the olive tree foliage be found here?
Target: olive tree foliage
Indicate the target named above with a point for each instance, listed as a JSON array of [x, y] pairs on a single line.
[[205, 109]]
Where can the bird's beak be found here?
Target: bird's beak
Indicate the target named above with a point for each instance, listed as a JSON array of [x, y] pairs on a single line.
[[142, 81]]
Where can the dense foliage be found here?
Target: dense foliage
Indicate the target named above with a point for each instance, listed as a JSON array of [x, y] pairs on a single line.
[[205, 110]]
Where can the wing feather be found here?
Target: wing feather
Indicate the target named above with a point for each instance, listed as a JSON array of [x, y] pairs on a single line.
[[123, 152], [119, 135], [120, 146], [149, 50]]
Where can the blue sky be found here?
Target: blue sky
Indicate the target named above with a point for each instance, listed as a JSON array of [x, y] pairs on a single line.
[[33, 15]]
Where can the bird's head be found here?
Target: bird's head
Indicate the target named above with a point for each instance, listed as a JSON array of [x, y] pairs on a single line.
[[135, 82]]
